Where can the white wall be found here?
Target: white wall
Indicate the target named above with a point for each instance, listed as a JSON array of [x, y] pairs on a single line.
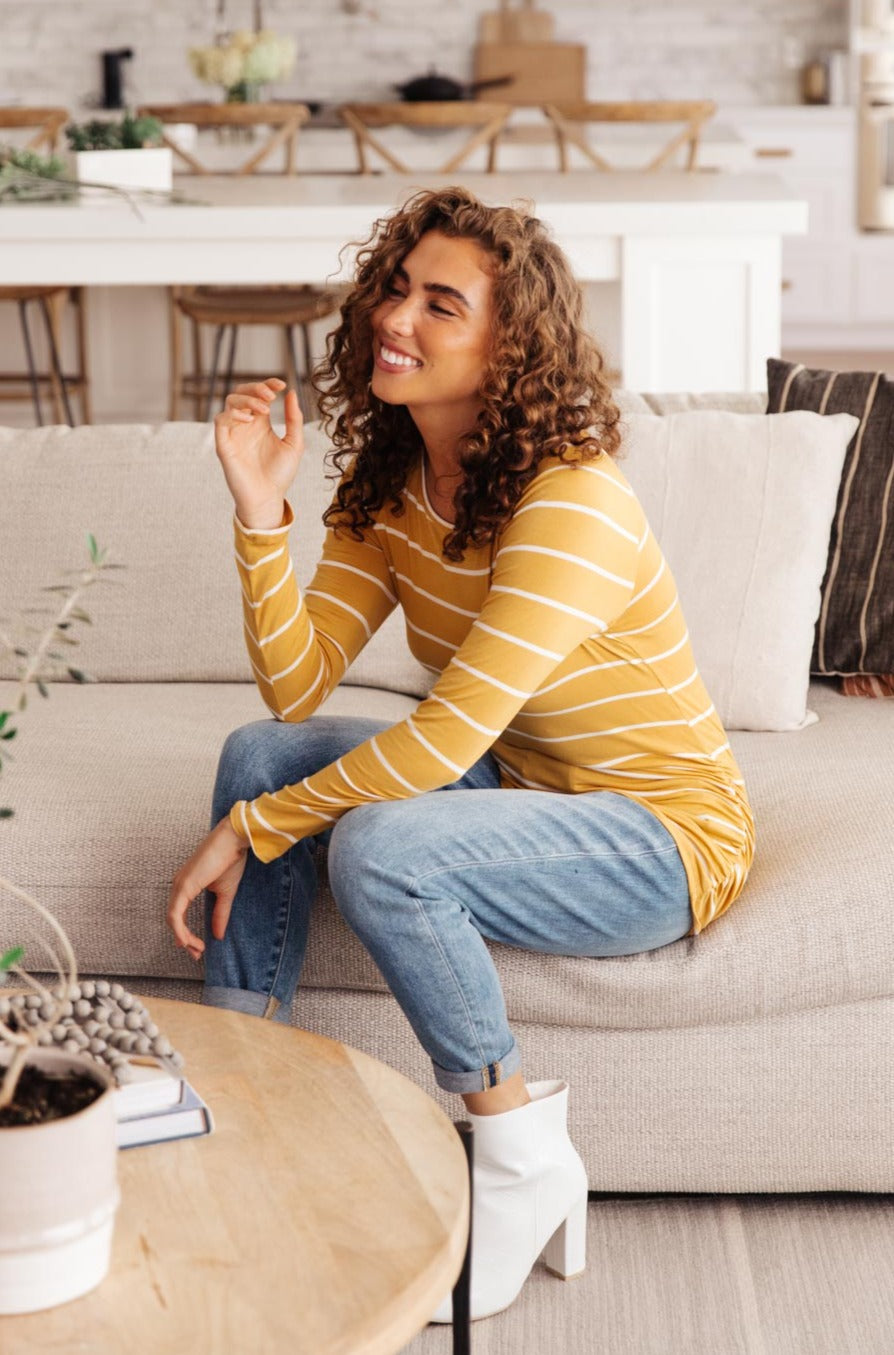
[[738, 53]]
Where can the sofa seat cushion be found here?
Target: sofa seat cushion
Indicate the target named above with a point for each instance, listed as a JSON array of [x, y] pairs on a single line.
[[105, 818]]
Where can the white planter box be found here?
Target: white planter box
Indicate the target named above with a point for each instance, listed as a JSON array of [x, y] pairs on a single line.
[[150, 168]]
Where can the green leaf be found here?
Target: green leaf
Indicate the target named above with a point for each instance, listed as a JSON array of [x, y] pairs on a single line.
[[42, 688], [9, 734], [5, 813], [4, 716], [77, 675], [12, 957], [94, 549]]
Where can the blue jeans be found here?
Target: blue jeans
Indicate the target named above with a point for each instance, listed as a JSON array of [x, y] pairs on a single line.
[[422, 882]]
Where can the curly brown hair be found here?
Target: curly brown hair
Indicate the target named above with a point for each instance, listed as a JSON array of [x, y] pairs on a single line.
[[543, 391]]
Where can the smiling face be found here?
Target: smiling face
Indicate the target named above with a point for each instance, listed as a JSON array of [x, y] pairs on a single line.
[[432, 331]]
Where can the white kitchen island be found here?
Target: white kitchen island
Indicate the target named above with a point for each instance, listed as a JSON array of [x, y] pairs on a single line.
[[696, 257]]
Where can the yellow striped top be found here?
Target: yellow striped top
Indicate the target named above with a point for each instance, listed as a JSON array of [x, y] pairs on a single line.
[[561, 648]]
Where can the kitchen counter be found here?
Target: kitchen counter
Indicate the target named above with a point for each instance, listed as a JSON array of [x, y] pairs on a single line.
[[696, 256]]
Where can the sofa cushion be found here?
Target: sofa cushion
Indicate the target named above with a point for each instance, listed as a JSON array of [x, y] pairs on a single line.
[[742, 505], [155, 496], [105, 818], [855, 629]]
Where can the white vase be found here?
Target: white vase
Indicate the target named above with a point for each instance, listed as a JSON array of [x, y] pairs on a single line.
[[148, 168], [59, 1196]]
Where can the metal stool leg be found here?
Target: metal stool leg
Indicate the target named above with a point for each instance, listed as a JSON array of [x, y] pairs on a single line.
[[231, 360], [29, 354], [462, 1322], [55, 364], [296, 374], [212, 378]]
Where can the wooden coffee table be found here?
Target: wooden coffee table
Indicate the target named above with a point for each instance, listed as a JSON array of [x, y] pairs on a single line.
[[328, 1211]]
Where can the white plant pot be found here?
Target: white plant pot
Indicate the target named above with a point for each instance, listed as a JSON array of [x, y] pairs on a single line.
[[59, 1197], [149, 168]]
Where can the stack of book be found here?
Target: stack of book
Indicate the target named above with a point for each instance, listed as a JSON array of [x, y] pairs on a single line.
[[158, 1103]]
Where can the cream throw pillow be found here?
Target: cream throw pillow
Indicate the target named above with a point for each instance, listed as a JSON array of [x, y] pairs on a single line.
[[742, 505]]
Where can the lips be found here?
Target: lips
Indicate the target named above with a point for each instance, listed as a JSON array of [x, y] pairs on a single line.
[[393, 360]]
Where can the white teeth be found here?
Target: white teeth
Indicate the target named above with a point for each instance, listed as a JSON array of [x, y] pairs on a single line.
[[397, 359]]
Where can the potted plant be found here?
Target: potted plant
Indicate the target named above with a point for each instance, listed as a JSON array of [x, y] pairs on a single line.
[[57, 1115], [126, 153]]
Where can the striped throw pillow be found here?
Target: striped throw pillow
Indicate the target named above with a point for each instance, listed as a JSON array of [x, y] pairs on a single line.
[[855, 628]]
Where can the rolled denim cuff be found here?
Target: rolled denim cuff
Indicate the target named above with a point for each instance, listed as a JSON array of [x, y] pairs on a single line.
[[245, 1001], [479, 1079]]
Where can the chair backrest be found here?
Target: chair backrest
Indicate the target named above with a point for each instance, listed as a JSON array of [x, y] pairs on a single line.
[[690, 115], [46, 124], [284, 121], [486, 121]]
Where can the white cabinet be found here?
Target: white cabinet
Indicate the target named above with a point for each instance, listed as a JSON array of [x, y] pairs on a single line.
[[838, 281]]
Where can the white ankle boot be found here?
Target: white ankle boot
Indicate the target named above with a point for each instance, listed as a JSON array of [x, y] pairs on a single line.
[[529, 1196]]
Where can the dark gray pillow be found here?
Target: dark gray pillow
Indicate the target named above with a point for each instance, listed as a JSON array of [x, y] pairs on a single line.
[[855, 629]]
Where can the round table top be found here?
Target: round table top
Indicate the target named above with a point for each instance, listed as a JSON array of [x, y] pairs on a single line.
[[327, 1212]]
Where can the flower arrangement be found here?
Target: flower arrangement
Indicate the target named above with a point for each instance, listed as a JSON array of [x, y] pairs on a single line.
[[245, 62]]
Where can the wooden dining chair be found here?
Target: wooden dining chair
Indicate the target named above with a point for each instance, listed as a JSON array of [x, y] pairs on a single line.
[[484, 120], [44, 126], [226, 309], [689, 117]]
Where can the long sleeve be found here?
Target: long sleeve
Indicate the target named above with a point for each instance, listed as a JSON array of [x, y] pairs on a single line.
[[300, 646], [564, 571]]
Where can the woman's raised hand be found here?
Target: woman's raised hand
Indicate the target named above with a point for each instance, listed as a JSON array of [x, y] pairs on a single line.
[[259, 466]]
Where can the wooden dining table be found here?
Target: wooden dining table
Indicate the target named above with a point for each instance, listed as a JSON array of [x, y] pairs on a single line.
[[696, 257]]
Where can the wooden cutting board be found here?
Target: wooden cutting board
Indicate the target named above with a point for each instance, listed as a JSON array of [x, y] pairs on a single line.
[[521, 23], [543, 72]]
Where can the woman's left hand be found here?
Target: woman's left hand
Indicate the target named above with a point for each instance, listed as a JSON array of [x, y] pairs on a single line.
[[217, 865]]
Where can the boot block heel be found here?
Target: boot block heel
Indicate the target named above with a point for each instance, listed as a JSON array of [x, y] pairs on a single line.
[[566, 1252]]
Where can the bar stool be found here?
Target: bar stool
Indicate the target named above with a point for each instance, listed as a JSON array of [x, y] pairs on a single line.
[[49, 301], [690, 115], [485, 122], [226, 309]]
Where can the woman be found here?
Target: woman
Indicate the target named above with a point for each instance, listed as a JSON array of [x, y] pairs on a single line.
[[603, 814]]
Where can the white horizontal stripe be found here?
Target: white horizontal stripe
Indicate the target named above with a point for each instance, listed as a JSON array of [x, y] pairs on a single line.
[[532, 785], [268, 827], [429, 555], [613, 663], [362, 573], [363, 794], [274, 635], [607, 700], [566, 555], [334, 644], [579, 508], [271, 592], [244, 821], [392, 771], [733, 827], [340, 602], [261, 531], [292, 666], [491, 681], [638, 630], [287, 710], [591, 470], [433, 597], [327, 799], [596, 621], [264, 560], [514, 640], [651, 584], [417, 630], [467, 719], [454, 766]]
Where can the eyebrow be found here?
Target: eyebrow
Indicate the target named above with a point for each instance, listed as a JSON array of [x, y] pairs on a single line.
[[440, 288]]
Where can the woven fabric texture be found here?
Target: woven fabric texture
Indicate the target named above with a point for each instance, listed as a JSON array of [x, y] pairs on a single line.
[[855, 628]]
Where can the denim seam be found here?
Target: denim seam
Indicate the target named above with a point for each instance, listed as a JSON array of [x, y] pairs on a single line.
[[671, 849], [449, 967], [282, 930]]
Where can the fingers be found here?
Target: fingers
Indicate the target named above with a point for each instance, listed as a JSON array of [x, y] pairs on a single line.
[[294, 420], [181, 898], [254, 397]]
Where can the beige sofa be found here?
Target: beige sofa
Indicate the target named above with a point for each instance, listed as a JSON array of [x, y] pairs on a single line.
[[755, 1056]]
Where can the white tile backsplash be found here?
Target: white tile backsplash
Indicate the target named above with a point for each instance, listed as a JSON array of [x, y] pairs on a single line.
[[747, 53]]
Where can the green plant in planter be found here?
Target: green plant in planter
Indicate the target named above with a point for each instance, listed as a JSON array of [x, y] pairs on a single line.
[[127, 134], [40, 658]]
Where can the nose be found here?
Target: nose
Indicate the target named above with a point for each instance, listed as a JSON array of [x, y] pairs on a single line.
[[400, 317]]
